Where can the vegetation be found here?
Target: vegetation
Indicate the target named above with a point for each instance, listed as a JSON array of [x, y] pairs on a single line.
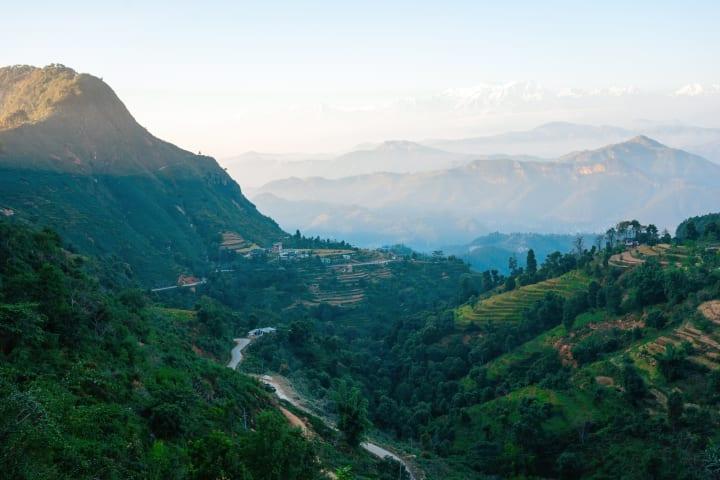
[[574, 368], [82, 166], [101, 384], [580, 369]]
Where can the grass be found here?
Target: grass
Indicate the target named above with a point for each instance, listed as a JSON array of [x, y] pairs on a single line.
[[570, 409], [497, 367], [509, 306], [176, 314]]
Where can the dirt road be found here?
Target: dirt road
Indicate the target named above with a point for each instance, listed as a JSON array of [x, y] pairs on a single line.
[[284, 391]]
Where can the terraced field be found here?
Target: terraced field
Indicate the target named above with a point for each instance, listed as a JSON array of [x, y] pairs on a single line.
[[706, 344], [234, 241], [342, 287], [664, 253], [509, 306]]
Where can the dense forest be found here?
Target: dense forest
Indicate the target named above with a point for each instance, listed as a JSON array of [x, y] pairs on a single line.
[[599, 369], [99, 383], [598, 363]]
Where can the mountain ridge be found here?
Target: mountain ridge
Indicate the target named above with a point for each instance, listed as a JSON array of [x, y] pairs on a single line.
[[582, 191], [77, 161]]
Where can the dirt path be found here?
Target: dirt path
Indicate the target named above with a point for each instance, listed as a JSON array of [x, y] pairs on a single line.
[[284, 391], [296, 421]]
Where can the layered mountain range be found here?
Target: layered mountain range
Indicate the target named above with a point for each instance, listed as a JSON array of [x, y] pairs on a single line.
[[545, 142], [72, 157], [582, 191], [553, 139]]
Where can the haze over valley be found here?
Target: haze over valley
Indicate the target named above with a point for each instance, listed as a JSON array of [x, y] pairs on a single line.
[[389, 240], [577, 192]]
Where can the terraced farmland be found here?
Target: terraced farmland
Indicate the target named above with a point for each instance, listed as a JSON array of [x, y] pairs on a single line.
[[509, 306], [706, 344], [234, 241], [342, 287], [664, 253]]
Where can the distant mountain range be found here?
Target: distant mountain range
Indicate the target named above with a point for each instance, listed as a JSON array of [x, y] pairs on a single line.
[[582, 191], [551, 140], [73, 158], [557, 138], [255, 169]]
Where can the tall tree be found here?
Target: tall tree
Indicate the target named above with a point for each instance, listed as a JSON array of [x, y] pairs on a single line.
[[352, 412], [531, 265], [512, 265], [579, 245], [652, 234], [675, 408], [610, 236]]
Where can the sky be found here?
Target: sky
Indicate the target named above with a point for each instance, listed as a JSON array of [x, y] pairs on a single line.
[[224, 77]]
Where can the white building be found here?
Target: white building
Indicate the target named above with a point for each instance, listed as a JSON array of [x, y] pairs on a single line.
[[259, 332]]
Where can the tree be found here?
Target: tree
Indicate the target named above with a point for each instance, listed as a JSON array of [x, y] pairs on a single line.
[[612, 297], [649, 280], [592, 294], [675, 408], [610, 236], [712, 231], [531, 263], [352, 412], [212, 314], [652, 234], [574, 306], [276, 451], [622, 230], [635, 229], [711, 460], [672, 361], [691, 232], [633, 383], [569, 465], [579, 245], [512, 265], [666, 237], [300, 332], [216, 456], [655, 319]]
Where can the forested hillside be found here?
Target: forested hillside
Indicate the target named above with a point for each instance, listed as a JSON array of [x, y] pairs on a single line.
[[73, 158], [603, 364], [97, 383], [102, 381]]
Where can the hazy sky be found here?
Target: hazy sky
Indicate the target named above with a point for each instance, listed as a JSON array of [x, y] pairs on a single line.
[[225, 77]]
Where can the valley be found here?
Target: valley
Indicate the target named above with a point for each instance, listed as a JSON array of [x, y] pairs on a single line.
[[156, 324], [282, 390], [578, 192]]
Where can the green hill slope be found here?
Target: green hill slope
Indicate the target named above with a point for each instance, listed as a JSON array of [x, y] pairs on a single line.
[[73, 158], [98, 383], [509, 306], [598, 371]]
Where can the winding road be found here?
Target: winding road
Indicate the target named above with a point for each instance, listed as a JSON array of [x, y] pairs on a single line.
[[284, 393], [236, 352]]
